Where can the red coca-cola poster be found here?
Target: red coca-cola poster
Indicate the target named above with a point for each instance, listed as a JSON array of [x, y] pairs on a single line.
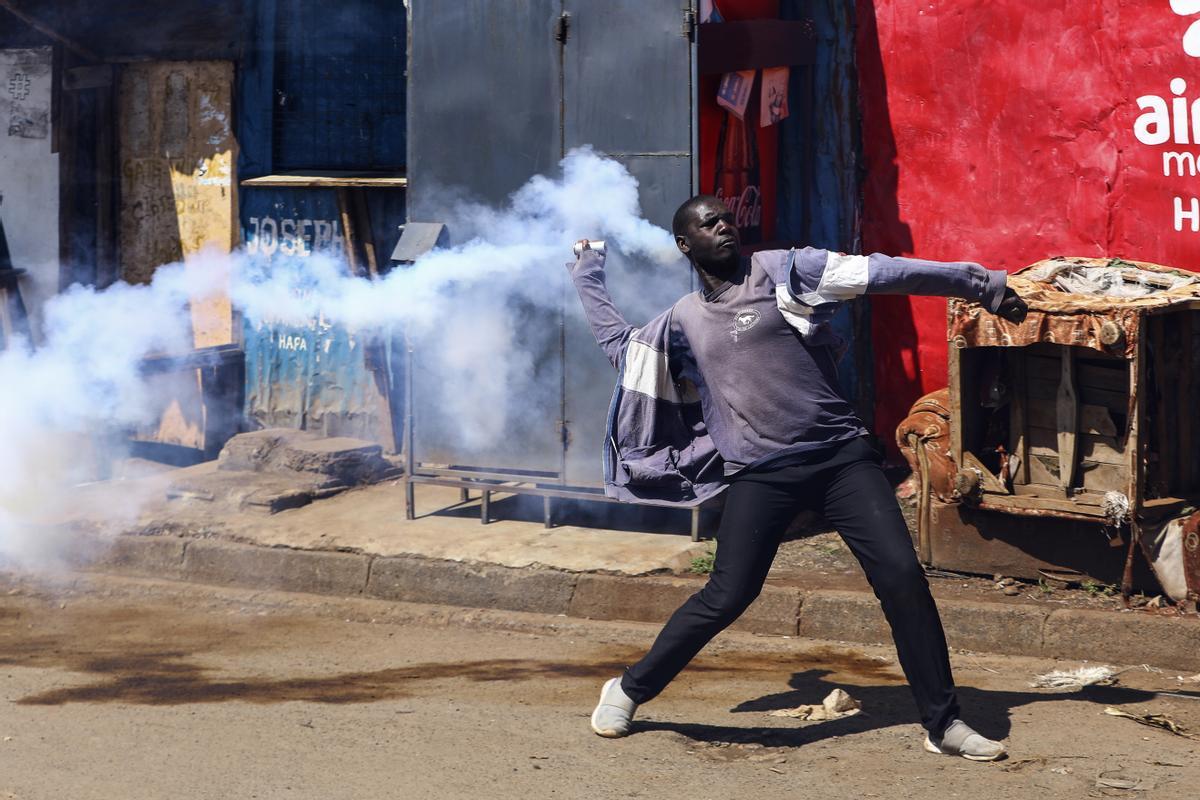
[[736, 178], [743, 143]]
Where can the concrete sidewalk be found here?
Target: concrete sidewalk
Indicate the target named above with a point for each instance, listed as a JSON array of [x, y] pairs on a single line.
[[359, 544]]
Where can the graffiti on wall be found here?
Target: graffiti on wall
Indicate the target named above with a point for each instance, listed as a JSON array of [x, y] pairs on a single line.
[[268, 235]]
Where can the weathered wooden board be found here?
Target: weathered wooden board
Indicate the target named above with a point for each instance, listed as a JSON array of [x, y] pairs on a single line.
[[1092, 476], [1112, 376], [1067, 418], [177, 159], [177, 164], [1043, 392], [1099, 449]]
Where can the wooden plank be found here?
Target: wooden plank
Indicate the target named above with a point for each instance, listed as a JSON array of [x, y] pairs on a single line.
[[1164, 469], [1094, 477], [348, 229], [1084, 355], [989, 481], [1044, 470], [1095, 449], [1096, 420], [1044, 391], [1027, 504], [1135, 440], [1093, 420], [1114, 378], [1018, 422], [1091, 476], [1067, 414], [177, 158], [954, 364], [331, 179], [1185, 400], [1054, 491], [362, 218]]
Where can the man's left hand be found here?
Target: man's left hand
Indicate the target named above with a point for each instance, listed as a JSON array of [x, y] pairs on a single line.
[[1012, 307]]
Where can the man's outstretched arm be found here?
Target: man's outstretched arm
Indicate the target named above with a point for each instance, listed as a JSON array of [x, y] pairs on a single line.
[[608, 326], [822, 276]]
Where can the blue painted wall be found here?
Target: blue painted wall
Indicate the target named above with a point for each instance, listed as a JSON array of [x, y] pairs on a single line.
[[322, 87], [819, 168]]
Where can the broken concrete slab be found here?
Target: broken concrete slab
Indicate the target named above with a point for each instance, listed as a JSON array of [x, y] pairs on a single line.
[[340, 460], [274, 470]]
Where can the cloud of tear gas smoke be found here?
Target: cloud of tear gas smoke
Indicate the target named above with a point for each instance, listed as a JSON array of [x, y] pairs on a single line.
[[480, 309]]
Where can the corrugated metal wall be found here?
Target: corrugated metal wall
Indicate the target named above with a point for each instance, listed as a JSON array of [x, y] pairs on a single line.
[[322, 88]]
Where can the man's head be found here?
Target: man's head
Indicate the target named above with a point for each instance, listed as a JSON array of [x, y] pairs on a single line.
[[705, 232]]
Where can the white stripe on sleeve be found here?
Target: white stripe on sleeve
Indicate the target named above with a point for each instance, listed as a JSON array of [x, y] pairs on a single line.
[[845, 277], [795, 313], [647, 372]]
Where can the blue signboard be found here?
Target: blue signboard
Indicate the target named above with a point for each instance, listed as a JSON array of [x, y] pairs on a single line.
[[320, 375]]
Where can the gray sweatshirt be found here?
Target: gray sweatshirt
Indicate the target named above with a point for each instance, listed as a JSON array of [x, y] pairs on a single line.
[[758, 352]]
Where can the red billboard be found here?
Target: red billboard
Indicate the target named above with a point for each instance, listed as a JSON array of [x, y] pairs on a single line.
[[1006, 131]]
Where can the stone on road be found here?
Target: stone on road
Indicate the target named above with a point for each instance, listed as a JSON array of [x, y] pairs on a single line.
[[118, 688]]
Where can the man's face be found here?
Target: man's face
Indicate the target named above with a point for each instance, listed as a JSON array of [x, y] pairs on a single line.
[[712, 238]]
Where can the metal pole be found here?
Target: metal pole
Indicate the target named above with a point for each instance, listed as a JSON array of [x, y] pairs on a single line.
[[410, 461]]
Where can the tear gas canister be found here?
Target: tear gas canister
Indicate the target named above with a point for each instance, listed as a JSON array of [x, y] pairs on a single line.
[[593, 244]]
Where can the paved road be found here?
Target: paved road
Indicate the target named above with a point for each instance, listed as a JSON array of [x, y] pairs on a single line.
[[119, 689]]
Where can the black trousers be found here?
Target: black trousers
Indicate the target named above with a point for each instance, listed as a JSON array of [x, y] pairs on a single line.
[[849, 489]]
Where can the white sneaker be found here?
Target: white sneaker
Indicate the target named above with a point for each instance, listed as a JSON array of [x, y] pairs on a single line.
[[960, 740], [614, 712]]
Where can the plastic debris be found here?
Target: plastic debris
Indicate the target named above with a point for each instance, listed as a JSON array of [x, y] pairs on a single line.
[[1115, 508], [836, 705], [1075, 678], [1117, 280], [1112, 779], [1154, 721]]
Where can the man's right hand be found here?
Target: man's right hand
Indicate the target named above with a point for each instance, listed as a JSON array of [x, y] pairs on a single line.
[[1012, 307]]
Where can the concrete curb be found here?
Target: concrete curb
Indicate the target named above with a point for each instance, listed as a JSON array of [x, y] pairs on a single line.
[[1025, 630]]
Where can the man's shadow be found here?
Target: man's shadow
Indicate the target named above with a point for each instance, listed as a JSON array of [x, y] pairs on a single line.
[[883, 706]]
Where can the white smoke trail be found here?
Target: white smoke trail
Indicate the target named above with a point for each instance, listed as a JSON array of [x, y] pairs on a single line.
[[84, 384]]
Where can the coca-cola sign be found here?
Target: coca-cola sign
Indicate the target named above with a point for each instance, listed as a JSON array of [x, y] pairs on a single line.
[[746, 207]]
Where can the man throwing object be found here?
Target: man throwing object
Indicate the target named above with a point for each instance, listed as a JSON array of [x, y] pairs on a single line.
[[735, 388]]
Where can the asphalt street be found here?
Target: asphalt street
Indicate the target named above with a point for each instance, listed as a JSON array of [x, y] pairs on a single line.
[[117, 688]]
